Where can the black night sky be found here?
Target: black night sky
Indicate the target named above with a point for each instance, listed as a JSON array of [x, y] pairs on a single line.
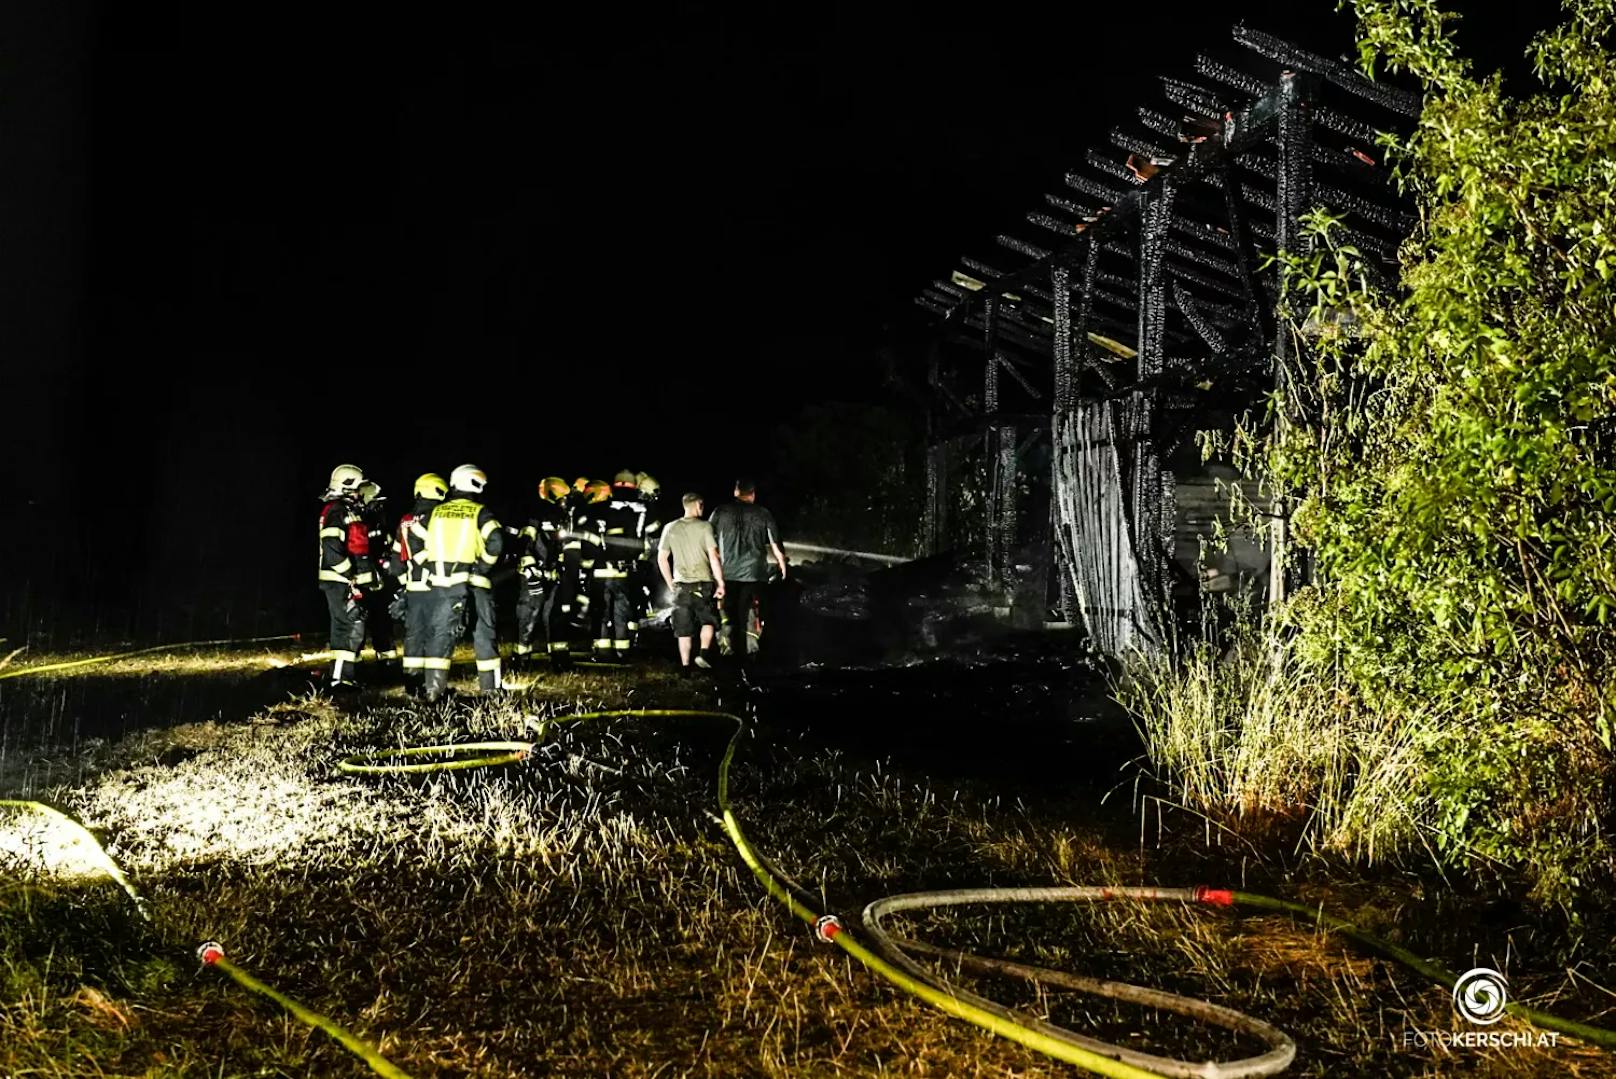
[[239, 245]]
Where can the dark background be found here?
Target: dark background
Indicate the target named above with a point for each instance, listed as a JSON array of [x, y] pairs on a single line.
[[241, 244]]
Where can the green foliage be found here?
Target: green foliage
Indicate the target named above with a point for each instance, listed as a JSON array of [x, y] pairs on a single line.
[[1447, 448]]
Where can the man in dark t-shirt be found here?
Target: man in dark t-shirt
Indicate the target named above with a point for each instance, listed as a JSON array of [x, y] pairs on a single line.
[[747, 539]]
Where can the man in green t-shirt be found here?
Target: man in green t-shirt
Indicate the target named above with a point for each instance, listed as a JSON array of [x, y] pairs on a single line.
[[688, 557]]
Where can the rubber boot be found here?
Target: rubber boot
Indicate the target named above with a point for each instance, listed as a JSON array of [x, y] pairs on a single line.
[[489, 682], [437, 684]]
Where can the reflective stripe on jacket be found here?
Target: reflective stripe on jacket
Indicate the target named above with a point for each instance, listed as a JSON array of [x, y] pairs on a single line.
[[344, 543], [459, 544]]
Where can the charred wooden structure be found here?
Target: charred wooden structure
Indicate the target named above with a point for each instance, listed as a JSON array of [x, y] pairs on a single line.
[[1073, 369]]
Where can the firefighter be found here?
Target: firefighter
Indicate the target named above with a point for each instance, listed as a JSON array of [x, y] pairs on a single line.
[[379, 589], [541, 571], [647, 575], [344, 565], [589, 529], [616, 571], [430, 489], [572, 594], [459, 545]]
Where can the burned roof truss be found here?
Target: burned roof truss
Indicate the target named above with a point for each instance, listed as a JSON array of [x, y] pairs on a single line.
[[1144, 291]]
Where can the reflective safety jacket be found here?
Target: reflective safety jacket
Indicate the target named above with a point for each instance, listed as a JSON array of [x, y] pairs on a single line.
[[583, 522], [459, 543], [622, 526], [344, 544], [651, 531], [381, 547], [542, 546], [407, 545]]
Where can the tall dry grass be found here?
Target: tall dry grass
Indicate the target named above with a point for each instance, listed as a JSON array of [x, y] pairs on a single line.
[[1257, 735]]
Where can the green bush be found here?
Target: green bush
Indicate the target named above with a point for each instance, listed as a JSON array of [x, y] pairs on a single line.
[[1447, 446]]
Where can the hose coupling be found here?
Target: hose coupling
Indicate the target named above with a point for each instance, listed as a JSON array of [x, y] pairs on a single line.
[[210, 953], [1214, 897], [826, 928]]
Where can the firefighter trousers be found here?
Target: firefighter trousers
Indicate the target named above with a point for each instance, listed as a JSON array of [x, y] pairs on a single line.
[[417, 612], [619, 613], [347, 629], [535, 606], [377, 605], [448, 608]]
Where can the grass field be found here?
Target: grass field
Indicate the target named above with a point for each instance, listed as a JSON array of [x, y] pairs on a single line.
[[581, 914]]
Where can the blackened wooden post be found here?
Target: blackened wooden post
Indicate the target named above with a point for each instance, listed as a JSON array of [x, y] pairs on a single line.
[[934, 527], [1146, 475], [992, 533], [1063, 360]]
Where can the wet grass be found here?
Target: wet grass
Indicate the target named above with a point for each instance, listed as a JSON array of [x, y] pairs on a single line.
[[581, 914]]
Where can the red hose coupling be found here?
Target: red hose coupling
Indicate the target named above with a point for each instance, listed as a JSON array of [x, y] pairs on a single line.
[[210, 953], [827, 927], [1214, 897]]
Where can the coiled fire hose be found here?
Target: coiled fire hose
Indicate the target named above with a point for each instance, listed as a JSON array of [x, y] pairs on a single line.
[[890, 959]]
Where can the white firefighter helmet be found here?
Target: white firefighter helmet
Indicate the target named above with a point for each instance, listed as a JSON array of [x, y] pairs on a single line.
[[647, 484], [345, 480], [369, 491], [468, 479]]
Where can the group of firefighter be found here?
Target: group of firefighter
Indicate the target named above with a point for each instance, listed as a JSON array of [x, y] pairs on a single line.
[[585, 558]]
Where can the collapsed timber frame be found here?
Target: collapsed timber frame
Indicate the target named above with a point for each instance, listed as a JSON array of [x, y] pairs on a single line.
[[1080, 368]]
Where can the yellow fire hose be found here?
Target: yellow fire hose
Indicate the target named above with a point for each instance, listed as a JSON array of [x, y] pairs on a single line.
[[74, 664], [212, 955], [895, 966], [103, 860]]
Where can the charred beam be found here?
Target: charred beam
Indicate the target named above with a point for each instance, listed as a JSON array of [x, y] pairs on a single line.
[[1160, 123], [1257, 311], [1342, 124], [1202, 326], [1060, 283], [1202, 232], [1143, 147], [1196, 98], [1111, 196], [1053, 224], [1348, 79], [1021, 247], [1116, 169], [1021, 380], [1211, 284], [1230, 76], [1079, 210], [1205, 259]]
